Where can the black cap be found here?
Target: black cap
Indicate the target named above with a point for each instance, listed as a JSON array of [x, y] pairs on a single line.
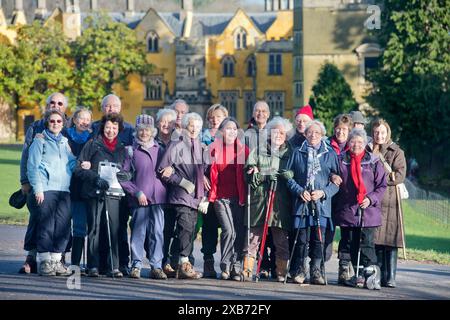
[[18, 199]]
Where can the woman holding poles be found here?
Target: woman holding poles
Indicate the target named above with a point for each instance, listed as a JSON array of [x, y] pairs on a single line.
[[358, 209], [146, 196], [264, 171], [312, 165], [388, 236], [104, 147], [49, 166], [228, 194]]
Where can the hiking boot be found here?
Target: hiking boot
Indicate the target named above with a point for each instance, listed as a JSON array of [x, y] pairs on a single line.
[[225, 275], [263, 274], [46, 268], [357, 282], [116, 273], [315, 276], [93, 272], [169, 271], [61, 269], [186, 271], [235, 275], [301, 275], [208, 269], [158, 274], [29, 266], [124, 270], [135, 273], [372, 277], [345, 272]]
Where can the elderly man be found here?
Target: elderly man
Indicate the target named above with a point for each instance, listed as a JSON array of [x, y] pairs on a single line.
[[56, 101], [302, 117], [181, 108], [112, 104]]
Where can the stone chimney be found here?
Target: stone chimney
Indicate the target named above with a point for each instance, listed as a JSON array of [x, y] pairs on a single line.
[[18, 14], [41, 10], [186, 15], [130, 9]]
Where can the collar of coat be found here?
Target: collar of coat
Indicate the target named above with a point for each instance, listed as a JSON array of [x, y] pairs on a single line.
[[323, 149], [369, 158], [99, 141]]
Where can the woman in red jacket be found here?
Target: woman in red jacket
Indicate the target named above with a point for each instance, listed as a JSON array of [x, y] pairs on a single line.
[[228, 194]]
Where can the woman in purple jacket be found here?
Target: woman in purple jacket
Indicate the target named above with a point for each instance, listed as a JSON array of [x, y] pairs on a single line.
[[147, 194], [358, 209]]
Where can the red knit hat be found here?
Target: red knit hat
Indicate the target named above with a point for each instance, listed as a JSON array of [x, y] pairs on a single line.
[[305, 110]]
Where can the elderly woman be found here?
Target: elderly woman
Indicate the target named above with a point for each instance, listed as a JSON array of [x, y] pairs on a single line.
[[312, 165], [165, 123], [146, 195], [104, 147], [78, 135], [228, 191], [342, 125], [388, 236], [263, 169], [358, 209], [187, 186], [303, 116], [49, 166]]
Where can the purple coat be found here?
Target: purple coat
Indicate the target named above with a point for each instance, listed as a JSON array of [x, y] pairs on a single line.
[[374, 176], [142, 164]]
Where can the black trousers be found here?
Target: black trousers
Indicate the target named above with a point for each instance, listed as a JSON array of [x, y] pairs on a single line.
[[98, 232], [210, 233], [53, 226], [186, 219], [308, 242], [30, 235], [352, 238], [124, 246], [171, 243]]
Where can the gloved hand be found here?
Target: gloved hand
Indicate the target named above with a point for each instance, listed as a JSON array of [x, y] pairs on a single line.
[[101, 184], [273, 177], [187, 185], [123, 176]]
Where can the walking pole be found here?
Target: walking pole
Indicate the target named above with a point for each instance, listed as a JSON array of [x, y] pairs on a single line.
[[109, 236], [400, 213], [291, 255], [360, 215], [316, 214], [273, 186]]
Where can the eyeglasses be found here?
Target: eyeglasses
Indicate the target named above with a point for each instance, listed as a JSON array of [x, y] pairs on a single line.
[[59, 103], [55, 121]]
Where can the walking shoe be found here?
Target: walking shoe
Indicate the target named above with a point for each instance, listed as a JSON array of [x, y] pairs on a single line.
[[169, 271], [208, 269], [263, 274], [29, 266], [124, 270], [372, 277], [158, 274], [316, 276], [345, 272], [46, 268], [61, 269], [235, 275], [135, 273], [186, 271], [225, 275], [115, 274], [93, 272], [357, 282], [300, 276]]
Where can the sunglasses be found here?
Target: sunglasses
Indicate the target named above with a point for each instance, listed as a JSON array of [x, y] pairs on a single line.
[[59, 103], [55, 121]]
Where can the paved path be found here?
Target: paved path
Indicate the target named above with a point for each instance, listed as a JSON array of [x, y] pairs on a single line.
[[415, 281]]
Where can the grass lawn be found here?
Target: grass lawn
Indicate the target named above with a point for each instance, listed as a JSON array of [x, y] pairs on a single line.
[[426, 240]]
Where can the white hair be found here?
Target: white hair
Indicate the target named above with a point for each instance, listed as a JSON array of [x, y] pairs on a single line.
[[317, 123], [105, 99], [262, 103], [50, 97], [358, 132], [279, 121], [174, 104], [190, 116], [166, 112]]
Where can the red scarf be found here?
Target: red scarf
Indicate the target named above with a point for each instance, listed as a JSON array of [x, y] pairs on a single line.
[[355, 169], [336, 147], [110, 145]]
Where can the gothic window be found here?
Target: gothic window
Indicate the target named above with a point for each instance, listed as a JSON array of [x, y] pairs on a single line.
[[275, 100], [368, 56], [152, 42], [249, 102], [229, 100], [275, 66], [240, 39], [228, 66], [251, 66], [153, 88]]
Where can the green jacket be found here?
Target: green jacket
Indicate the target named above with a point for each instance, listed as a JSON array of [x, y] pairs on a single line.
[[271, 167]]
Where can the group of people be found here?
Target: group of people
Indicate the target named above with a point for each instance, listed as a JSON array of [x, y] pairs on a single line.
[[276, 192]]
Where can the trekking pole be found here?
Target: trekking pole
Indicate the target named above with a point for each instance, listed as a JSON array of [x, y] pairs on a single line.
[[273, 186], [109, 236], [293, 249], [316, 214], [360, 215]]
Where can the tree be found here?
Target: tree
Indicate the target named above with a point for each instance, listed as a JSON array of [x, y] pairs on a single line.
[[411, 85], [35, 66], [106, 53], [331, 95]]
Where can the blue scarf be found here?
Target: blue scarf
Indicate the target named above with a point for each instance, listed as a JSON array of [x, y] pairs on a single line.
[[56, 138], [76, 137], [313, 164]]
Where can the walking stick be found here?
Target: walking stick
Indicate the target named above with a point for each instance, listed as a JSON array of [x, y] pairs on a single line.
[[400, 215], [293, 249], [273, 186], [109, 236], [316, 214], [360, 214]]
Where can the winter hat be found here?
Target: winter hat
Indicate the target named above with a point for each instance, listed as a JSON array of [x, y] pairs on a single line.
[[18, 199], [144, 121], [358, 117], [305, 110]]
